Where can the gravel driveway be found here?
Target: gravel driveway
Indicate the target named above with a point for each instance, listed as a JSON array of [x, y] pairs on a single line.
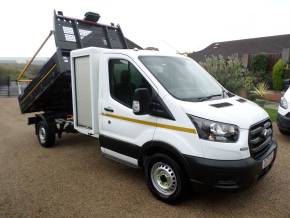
[[74, 180]]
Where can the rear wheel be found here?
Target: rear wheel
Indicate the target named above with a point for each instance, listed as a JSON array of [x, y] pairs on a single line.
[[164, 178], [45, 134]]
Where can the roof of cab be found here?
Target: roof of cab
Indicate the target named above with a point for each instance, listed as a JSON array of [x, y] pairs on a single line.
[[129, 52], [137, 52]]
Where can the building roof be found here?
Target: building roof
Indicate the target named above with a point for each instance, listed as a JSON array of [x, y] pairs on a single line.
[[269, 44], [132, 44]]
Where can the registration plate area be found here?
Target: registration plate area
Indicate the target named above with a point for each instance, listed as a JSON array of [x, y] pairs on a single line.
[[268, 160]]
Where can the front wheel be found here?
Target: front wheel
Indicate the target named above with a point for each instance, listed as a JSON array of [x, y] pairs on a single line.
[[284, 132], [164, 178]]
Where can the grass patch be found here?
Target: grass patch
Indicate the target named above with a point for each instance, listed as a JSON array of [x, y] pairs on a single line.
[[272, 113]]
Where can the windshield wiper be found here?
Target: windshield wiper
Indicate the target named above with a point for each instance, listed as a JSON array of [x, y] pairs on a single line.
[[209, 97]]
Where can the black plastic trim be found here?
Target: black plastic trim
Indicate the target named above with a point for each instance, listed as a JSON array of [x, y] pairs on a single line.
[[162, 147], [220, 105], [163, 111], [121, 147], [258, 150], [228, 174], [241, 100]]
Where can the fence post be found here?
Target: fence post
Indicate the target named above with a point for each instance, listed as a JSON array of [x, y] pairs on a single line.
[[8, 86]]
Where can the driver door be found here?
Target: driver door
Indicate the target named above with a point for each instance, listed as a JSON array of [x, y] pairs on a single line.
[[123, 132]]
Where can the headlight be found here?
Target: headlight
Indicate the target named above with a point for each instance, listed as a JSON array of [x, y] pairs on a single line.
[[215, 131], [284, 103]]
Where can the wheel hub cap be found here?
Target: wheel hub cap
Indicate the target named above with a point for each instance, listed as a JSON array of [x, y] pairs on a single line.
[[163, 178], [42, 135]]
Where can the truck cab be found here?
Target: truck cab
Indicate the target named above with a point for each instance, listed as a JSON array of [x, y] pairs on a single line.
[[283, 121], [165, 114]]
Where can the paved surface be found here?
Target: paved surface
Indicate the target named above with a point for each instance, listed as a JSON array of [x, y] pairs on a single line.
[[72, 179]]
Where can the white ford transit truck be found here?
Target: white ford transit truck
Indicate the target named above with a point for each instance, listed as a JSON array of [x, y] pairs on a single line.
[[159, 112], [166, 114]]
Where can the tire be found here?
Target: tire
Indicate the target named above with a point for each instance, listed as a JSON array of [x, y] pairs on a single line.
[[45, 134], [165, 178], [284, 132]]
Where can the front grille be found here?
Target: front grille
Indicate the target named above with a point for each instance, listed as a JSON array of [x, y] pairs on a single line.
[[260, 138]]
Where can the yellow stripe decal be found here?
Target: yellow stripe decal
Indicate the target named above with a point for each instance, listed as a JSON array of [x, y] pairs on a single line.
[[147, 123], [39, 82]]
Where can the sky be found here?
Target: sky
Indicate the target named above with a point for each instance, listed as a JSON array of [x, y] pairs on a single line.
[[170, 25]]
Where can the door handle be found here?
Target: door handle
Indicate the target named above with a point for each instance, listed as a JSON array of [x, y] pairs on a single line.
[[109, 109]]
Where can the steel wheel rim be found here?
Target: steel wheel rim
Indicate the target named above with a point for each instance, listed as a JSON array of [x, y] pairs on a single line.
[[163, 178], [42, 135]]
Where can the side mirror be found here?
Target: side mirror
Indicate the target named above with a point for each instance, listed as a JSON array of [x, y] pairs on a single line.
[[141, 101]]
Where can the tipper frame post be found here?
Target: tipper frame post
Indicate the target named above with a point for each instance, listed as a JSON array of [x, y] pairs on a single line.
[[20, 76]]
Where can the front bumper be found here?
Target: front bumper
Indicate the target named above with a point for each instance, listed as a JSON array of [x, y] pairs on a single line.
[[232, 174], [283, 122]]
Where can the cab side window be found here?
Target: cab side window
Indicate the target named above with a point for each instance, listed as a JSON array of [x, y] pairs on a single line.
[[124, 80]]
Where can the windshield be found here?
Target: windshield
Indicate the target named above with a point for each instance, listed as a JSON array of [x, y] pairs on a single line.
[[183, 78]]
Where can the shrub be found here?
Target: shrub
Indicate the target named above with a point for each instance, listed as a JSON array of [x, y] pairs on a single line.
[[261, 89], [277, 74], [229, 72], [249, 85]]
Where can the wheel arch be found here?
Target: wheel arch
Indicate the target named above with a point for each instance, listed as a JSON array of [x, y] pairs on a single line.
[[154, 147]]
